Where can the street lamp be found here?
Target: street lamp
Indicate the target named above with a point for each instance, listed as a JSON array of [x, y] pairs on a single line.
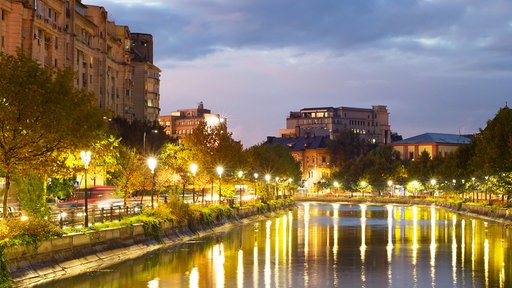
[[363, 185], [86, 159], [152, 166], [193, 169], [240, 174], [433, 183], [144, 141], [219, 171], [336, 185], [255, 183], [277, 191]]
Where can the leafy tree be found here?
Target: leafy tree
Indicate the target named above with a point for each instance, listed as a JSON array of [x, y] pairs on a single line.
[[129, 176], [380, 165], [346, 147], [41, 113], [275, 160], [211, 146], [493, 152]]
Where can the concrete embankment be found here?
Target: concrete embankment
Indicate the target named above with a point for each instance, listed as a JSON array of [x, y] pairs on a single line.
[[75, 254], [477, 210]]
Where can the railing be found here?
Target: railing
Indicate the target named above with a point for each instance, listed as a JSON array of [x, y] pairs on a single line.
[[75, 217]]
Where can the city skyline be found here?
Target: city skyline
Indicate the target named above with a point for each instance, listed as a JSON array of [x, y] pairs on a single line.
[[438, 66]]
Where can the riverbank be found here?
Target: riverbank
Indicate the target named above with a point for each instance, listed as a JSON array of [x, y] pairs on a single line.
[[79, 253], [493, 213]]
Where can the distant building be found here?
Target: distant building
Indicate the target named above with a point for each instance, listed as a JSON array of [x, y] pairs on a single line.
[[60, 34], [371, 124], [435, 144], [182, 122], [311, 152]]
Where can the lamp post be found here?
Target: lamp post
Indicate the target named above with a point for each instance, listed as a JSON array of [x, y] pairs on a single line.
[[240, 174], [219, 171], [277, 191], [152, 166], [336, 185], [193, 169], [86, 159], [267, 178], [363, 185], [433, 183], [255, 184], [144, 141]]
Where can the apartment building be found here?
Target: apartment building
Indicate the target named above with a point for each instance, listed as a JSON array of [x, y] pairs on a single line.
[[68, 33], [182, 122], [372, 124], [146, 78]]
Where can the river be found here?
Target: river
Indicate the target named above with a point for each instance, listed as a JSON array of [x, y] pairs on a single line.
[[328, 245]]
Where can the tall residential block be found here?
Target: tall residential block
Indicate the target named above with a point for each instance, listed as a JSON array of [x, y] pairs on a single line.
[[372, 124], [68, 33]]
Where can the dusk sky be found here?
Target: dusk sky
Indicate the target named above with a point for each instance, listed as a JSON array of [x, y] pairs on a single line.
[[438, 65]]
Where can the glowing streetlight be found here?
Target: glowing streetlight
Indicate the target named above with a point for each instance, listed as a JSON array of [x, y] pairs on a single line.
[[240, 174], [193, 169], [433, 183], [255, 183], [220, 170], [390, 184], [363, 185], [152, 166], [86, 159]]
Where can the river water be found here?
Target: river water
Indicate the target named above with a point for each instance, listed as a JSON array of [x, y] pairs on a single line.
[[329, 245]]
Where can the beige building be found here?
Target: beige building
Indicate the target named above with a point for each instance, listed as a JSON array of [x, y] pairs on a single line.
[[312, 154], [371, 124], [435, 144], [69, 33], [182, 122]]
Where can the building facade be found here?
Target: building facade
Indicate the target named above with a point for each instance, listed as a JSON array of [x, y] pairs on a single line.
[[371, 124], [312, 154], [435, 144], [182, 122], [68, 33]]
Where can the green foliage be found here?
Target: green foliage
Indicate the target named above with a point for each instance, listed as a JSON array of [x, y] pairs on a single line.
[[32, 197], [28, 231], [275, 160], [38, 124], [211, 146]]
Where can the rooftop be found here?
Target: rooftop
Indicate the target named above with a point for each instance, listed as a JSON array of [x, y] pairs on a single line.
[[436, 138]]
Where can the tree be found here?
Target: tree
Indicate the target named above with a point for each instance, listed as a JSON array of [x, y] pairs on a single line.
[[493, 151], [211, 146], [41, 113], [272, 159]]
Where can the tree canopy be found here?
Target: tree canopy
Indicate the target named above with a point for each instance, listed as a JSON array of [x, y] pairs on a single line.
[[41, 113]]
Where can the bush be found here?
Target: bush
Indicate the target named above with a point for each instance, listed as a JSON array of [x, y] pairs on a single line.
[[32, 230]]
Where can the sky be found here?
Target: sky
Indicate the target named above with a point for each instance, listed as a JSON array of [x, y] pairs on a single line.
[[438, 65]]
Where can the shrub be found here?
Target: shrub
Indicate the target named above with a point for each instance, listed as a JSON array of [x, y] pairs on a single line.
[[32, 230]]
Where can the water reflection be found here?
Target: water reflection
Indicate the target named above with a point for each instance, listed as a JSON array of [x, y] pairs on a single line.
[[329, 245]]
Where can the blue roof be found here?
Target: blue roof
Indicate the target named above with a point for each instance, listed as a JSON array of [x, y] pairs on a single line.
[[436, 138]]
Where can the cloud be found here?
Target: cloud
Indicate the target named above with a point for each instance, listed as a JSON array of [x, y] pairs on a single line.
[[438, 65]]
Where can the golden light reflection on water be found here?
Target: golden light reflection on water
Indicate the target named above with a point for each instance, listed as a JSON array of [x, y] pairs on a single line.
[[339, 245]]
